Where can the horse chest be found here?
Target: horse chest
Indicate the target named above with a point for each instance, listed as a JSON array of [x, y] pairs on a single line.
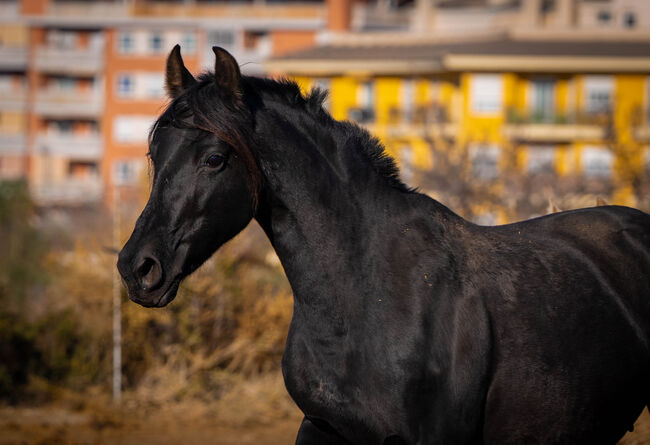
[[328, 384], [312, 374]]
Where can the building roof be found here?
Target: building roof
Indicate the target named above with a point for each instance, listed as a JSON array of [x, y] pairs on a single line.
[[551, 55]]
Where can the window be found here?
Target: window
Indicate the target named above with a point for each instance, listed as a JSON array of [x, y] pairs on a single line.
[[486, 91], [597, 162], [221, 38], [154, 85], [69, 40], [253, 39], [604, 17], [126, 172], [66, 84], [485, 160], [125, 85], [132, 129], [365, 111], [598, 93], [125, 43], [156, 42], [540, 160], [64, 126], [629, 20], [366, 95], [96, 41], [62, 39], [542, 100], [82, 169], [189, 42], [408, 99]]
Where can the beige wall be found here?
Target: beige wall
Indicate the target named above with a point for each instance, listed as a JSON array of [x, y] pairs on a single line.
[[11, 167], [12, 122], [13, 35]]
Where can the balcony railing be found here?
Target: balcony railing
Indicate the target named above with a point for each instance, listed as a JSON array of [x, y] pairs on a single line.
[[79, 147], [12, 144], [70, 61], [377, 17], [86, 9], [431, 120], [9, 9], [15, 100], [13, 58], [557, 127], [74, 191], [69, 104]]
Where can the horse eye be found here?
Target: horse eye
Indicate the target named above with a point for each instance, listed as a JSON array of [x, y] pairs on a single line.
[[215, 161]]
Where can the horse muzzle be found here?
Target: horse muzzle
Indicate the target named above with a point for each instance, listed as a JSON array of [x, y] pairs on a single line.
[[145, 279]]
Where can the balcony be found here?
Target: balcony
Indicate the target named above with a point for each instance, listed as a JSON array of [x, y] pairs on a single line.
[[69, 104], [15, 100], [13, 58], [12, 144], [95, 9], [425, 121], [76, 191], [70, 61], [380, 17], [557, 128], [79, 147]]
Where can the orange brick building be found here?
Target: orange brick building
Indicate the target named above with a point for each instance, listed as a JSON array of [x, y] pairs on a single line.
[[82, 82]]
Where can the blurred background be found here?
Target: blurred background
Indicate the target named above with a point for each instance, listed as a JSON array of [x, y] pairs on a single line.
[[501, 109]]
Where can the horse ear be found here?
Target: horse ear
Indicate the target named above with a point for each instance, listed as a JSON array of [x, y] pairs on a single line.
[[177, 77], [226, 70]]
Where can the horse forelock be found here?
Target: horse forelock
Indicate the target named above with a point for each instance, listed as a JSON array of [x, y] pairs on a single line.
[[203, 108]]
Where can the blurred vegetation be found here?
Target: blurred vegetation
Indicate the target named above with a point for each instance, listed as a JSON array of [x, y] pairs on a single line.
[[226, 328]]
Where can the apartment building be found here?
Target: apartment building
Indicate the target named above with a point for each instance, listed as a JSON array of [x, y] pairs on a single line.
[[85, 81], [573, 107], [13, 92], [65, 144], [458, 17]]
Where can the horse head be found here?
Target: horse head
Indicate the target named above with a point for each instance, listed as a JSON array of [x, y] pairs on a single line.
[[204, 182]]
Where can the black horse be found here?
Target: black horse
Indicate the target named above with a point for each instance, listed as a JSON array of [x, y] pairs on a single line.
[[410, 324]]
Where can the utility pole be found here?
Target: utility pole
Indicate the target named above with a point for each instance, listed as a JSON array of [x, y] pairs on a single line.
[[117, 303]]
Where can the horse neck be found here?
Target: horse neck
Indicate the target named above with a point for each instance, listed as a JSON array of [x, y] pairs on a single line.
[[326, 224]]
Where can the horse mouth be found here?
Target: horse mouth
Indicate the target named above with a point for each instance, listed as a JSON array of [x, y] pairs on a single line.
[[162, 300]]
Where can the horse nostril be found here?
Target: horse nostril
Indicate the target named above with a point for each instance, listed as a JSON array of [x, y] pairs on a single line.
[[149, 273]]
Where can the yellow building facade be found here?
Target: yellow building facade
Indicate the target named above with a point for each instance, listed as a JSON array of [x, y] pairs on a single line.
[[583, 116]]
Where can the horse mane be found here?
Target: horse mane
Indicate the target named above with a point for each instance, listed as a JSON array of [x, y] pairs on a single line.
[[227, 119], [354, 137]]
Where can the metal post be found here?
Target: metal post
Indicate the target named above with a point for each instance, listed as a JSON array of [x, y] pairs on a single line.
[[117, 304]]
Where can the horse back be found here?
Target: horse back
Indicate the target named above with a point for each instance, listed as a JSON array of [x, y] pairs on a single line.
[[600, 251], [569, 305]]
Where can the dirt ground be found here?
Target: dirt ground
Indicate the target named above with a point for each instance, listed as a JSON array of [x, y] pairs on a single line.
[[52, 425], [56, 425]]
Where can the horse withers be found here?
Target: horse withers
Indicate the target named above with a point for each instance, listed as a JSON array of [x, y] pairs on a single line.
[[410, 324]]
